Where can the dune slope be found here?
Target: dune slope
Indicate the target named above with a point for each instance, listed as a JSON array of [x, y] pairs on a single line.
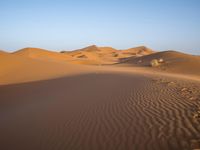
[[105, 55], [2, 52], [17, 69], [96, 111], [174, 62], [42, 54], [137, 51]]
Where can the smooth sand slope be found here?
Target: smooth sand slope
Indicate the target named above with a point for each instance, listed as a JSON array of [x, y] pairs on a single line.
[[47, 103], [17, 69]]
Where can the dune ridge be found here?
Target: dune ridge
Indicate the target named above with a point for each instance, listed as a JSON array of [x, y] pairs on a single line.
[[41, 54], [105, 55]]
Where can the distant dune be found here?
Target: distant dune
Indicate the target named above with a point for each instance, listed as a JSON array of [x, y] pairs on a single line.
[[105, 55], [2, 52], [28, 58], [41, 62], [42, 54], [138, 51]]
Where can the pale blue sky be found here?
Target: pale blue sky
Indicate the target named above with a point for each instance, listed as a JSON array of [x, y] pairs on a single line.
[[66, 25]]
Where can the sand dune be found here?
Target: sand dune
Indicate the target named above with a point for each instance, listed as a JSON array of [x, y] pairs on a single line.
[[49, 102], [97, 111], [91, 55], [17, 69], [105, 55], [137, 51], [2, 52], [174, 62], [42, 54]]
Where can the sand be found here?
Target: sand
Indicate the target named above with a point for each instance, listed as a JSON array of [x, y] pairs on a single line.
[[174, 62], [94, 55], [65, 106], [42, 54], [18, 69]]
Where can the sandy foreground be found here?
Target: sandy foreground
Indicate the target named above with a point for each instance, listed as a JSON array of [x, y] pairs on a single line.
[[97, 108]]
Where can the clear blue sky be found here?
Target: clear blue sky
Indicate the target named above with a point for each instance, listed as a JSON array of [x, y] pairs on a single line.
[[66, 24]]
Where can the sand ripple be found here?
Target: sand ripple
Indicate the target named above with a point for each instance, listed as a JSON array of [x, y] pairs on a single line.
[[96, 111]]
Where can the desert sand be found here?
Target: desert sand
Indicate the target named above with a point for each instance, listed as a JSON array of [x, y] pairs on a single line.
[[99, 98]]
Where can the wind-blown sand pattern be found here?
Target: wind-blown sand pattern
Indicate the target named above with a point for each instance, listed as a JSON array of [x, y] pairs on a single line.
[[100, 108]]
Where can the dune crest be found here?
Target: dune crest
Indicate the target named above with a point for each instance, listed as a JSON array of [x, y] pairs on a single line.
[[138, 51], [41, 54], [91, 55], [105, 55]]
